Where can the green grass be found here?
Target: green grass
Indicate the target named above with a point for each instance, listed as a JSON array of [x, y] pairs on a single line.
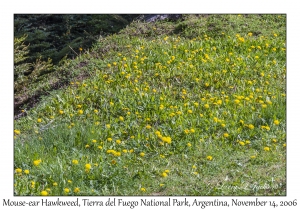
[[164, 96]]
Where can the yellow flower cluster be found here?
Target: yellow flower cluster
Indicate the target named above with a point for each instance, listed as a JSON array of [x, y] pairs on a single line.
[[113, 152], [166, 139]]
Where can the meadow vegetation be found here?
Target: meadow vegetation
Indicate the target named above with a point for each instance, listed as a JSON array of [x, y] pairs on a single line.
[[194, 107]]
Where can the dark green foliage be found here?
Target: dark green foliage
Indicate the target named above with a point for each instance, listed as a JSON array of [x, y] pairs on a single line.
[[53, 35], [27, 73], [20, 55]]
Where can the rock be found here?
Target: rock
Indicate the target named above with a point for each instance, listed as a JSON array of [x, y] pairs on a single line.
[[157, 17]]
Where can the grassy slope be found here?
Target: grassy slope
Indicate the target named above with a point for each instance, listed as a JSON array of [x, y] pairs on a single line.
[[187, 82]]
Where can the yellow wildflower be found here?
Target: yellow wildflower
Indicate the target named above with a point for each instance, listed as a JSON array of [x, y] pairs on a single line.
[[18, 170], [164, 174], [209, 157], [276, 122], [44, 193], [242, 143], [157, 133], [75, 162], [237, 101], [88, 166], [225, 135], [37, 162], [250, 126], [17, 132]]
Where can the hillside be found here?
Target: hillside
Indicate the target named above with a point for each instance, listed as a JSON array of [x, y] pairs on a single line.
[[194, 106]]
